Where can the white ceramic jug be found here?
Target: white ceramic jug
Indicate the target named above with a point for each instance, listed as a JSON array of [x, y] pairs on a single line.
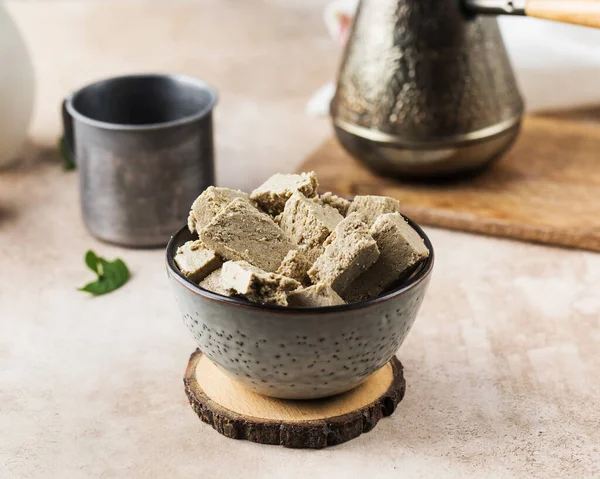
[[17, 89]]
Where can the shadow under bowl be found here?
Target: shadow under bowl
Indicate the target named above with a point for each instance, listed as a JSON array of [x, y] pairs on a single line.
[[298, 353]]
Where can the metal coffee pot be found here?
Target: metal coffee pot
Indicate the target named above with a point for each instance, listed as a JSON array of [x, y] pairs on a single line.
[[426, 88]]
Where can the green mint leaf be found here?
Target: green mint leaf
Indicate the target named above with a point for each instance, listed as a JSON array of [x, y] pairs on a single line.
[[68, 162], [98, 287], [115, 272], [111, 274], [91, 260]]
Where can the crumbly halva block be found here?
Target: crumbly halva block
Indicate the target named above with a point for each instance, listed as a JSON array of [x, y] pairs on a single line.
[[295, 265], [272, 195], [337, 202], [212, 200], [255, 284], [314, 296], [401, 249], [213, 283], [374, 206], [241, 232], [349, 251], [308, 224], [196, 261]]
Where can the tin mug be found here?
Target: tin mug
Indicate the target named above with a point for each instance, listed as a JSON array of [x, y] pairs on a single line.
[[143, 145]]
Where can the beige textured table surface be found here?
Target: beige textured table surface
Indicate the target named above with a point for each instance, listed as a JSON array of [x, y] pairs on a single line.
[[502, 365]]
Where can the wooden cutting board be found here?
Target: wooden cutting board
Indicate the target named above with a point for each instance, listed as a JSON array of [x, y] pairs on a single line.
[[545, 189]]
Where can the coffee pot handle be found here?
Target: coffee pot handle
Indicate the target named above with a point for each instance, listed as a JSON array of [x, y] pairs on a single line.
[[578, 12], [586, 13]]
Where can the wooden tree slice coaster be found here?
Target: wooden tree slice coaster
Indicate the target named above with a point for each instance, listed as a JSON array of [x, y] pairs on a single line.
[[239, 413]]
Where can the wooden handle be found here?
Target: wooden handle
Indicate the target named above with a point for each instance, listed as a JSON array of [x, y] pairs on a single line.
[[578, 12]]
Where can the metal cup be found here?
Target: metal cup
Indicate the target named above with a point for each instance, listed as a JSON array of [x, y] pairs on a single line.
[[143, 145]]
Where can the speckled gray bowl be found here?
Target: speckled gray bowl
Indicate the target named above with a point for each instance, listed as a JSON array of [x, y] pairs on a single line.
[[296, 353]]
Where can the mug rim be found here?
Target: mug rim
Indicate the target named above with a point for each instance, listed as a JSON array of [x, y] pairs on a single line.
[[423, 273], [180, 78]]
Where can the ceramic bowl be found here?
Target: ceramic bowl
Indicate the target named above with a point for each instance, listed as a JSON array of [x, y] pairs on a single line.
[[298, 353]]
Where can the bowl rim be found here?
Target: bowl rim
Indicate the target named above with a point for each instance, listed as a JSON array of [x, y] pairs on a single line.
[[422, 274]]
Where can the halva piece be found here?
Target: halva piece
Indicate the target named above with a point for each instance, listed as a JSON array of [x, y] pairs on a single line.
[[314, 296], [272, 195], [374, 206], [255, 284], [295, 265], [400, 247], [213, 283], [241, 232], [337, 202], [349, 251], [212, 200], [196, 261], [308, 224]]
